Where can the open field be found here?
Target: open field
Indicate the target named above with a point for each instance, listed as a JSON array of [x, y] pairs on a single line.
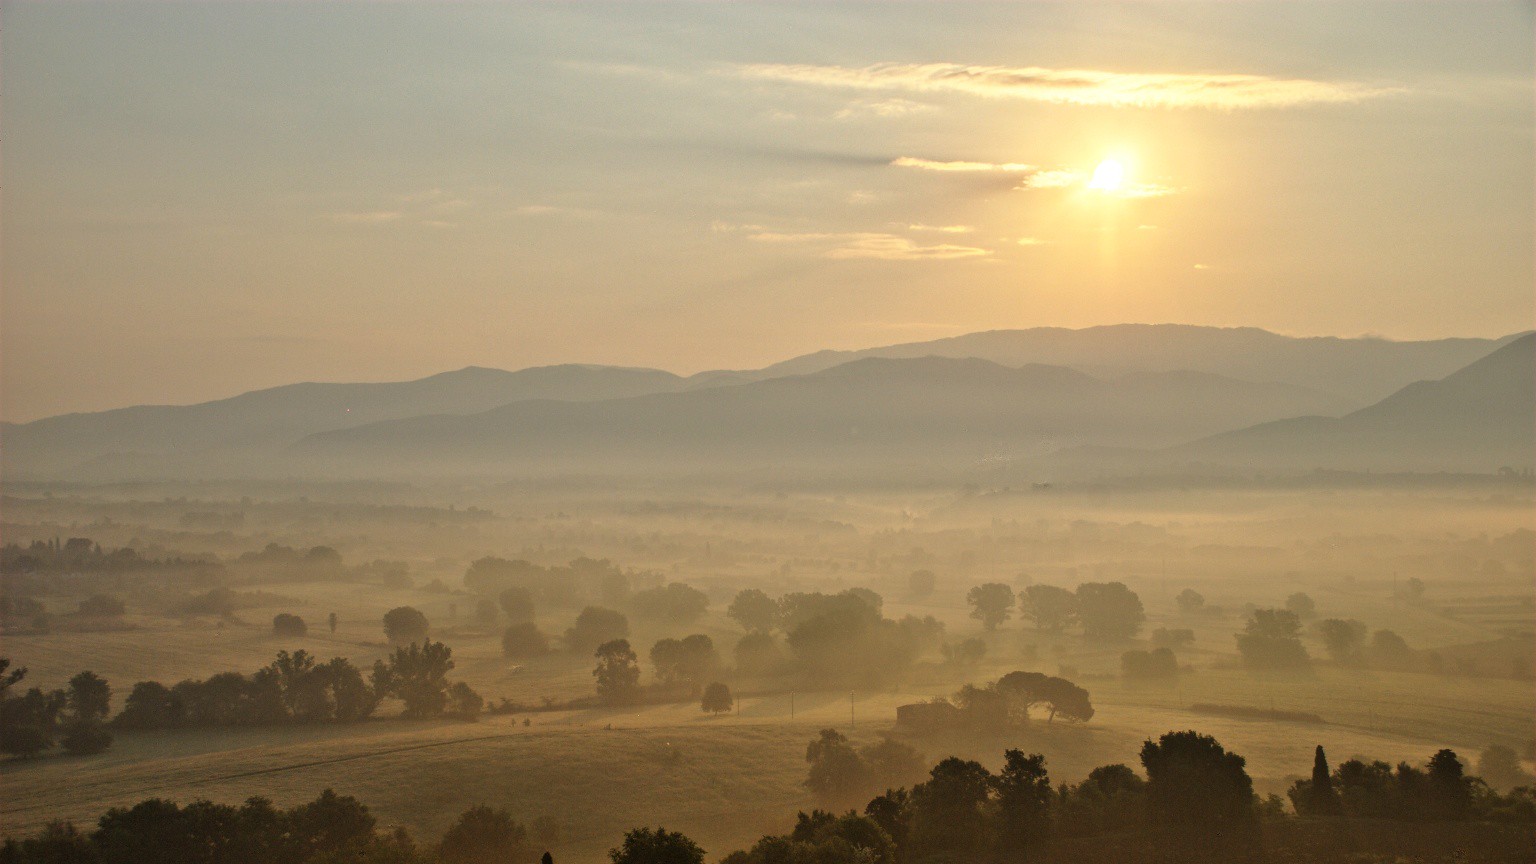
[[726, 780]]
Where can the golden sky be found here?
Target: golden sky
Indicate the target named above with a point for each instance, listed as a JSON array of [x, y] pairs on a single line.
[[201, 199]]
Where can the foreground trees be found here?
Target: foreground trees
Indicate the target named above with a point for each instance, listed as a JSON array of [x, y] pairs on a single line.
[[36, 720]]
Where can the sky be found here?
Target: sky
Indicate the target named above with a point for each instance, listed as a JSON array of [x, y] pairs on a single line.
[[201, 199]]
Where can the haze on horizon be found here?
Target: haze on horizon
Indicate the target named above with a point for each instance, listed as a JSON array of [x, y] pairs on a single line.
[[206, 199]]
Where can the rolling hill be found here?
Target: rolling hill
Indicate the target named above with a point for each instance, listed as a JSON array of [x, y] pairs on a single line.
[[930, 411], [1480, 418]]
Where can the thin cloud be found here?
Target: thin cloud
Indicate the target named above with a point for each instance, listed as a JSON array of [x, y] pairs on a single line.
[[1093, 87], [366, 217], [958, 166], [886, 108], [871, 245], [1054, 179], [942, 229]]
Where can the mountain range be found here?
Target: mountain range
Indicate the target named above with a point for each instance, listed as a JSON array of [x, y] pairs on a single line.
[[1146, 393]]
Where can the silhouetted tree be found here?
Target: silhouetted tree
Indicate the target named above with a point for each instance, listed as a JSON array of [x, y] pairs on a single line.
[[286, 624], [1317, 796], [991, 604], [1024, 798], [717, 699], [1109, 611], [1450, 796], [1271, 640], [332, 620], [417, 675], [482, 835], [405, 624], [1197, 788], [948, 812], [1048, 607], [755, 611], [644, 846], [691, 659], [617, 672]]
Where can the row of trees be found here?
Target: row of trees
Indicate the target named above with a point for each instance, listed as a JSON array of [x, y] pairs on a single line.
[[36, 720], [328, 830], [1106, 611], [297, 688], [1194, 802]]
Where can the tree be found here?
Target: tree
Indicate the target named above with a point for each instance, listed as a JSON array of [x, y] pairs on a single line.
[[285, 624], [463, 702], [523, 640], [991, 604], [755, 611], [103, 605], [1342, 638], [332, 620], [1301, 604], [1198, 789], [405, 624], [692, 659], [1049, 607], [675, 603], [617, 672], [1449, 795], [1059, 696], [758, 654], [1390, 649], [1109, 611], [594, 626], [1271, 640], [1501, 769], [1164, 637], [892, 763], [893, 813], [517, 603], [1024, 797], [1190, 601], [86, 705], [965, 654], [417, 675], [838, 775], [644, 846], [483, 836], [1157, 663], [1317, 796], [947, 809], [920, 583], [717, 699]]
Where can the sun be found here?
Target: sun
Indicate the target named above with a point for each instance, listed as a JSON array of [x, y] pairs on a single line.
[[1108, 177]]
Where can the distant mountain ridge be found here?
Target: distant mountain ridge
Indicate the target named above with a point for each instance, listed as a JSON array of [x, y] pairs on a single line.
[[929, 411], [1479, 418], [1359, 369], [1015, 395]]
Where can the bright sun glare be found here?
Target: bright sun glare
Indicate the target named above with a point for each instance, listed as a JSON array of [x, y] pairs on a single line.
[[1108, 176]]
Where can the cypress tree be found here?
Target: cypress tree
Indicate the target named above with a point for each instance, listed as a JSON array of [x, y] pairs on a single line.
[[1324, 798]]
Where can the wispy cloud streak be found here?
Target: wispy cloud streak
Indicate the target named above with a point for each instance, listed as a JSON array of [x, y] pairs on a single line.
[[1076, 86]]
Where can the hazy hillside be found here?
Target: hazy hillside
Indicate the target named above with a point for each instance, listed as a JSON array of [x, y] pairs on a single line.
[[1478, 419], [925, 411], [278, 416], [1361, 369]]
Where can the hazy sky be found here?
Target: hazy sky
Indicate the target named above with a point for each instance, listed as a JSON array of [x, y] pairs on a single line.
[[201, 199]]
